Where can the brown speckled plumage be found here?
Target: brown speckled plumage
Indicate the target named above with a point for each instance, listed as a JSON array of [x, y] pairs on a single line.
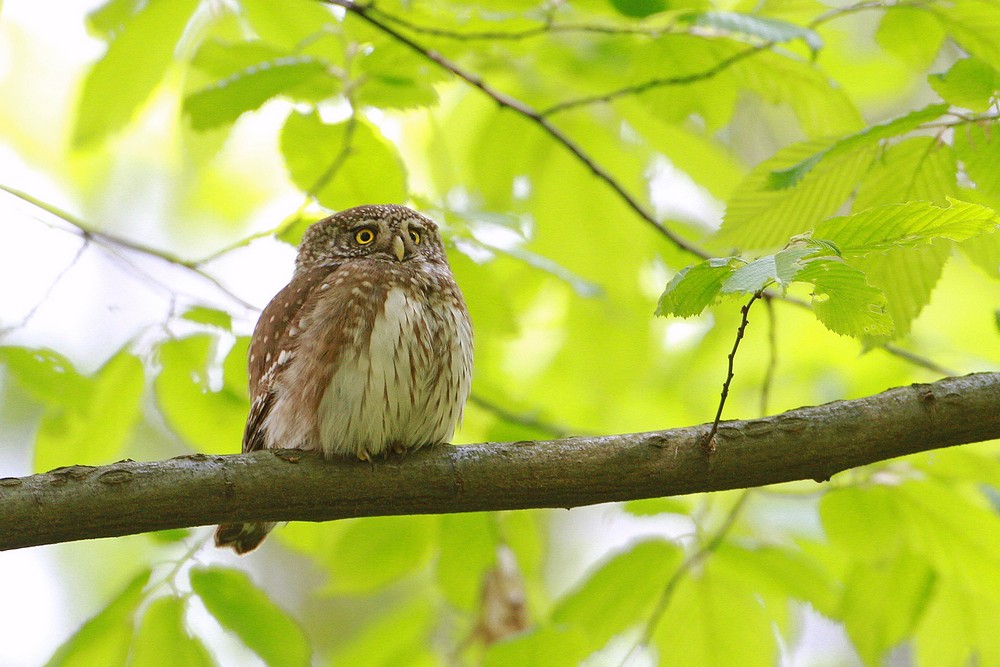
[[367, 350]]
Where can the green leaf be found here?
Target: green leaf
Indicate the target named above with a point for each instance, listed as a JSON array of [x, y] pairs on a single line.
[[620, 593], [844, 301], [89, 418], [374, 552], [883, 601], [907, 225], [292, 24], [696, 287], [248, 612], [394, 79], [162, 633], [105, 638], [896, 33], [974, 24], [914, 169], [468, 544], [549, 646], [780, 268], [227, 99], [970, 83], [767, 29], [336, 162], [760, 217], [979, 150], [654, 506], [209, 419], [786, 178], [211, 316], [135, 62], [401, 636], [639, 9]]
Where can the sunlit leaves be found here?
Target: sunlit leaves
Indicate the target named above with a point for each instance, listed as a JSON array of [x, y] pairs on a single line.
[[105, 638], [162, 632], [372, 553], [137, 57], [246, 611], [208, 414], [86, 419], [617, 595], [970, 83], [342, 164], [767, 29], [225, 100]]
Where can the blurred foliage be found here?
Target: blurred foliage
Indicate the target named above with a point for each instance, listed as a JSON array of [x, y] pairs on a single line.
[[855, 152]]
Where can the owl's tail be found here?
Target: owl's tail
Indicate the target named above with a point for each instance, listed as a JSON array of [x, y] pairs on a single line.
[[242, 537]]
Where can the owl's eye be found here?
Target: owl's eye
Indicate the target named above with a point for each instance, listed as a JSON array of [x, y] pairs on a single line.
[[415, 236], [364, 236]]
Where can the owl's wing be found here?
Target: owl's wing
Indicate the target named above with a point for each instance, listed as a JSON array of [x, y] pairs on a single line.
[[273, 346]]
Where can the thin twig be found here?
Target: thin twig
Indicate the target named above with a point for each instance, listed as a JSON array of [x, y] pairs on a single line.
[[521, 419], [709, 441], [522, 109], [772, 355], [48, 292]]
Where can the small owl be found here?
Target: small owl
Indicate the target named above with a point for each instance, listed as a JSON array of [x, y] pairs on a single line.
[[367, 350]]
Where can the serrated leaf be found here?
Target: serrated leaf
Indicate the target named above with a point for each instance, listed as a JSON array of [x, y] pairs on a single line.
[[758, 217], [162, 633], [212, 316], [374, 552], [907, 225], [226, 100], [779, 268], [768, 29], [844, 301], [914, 169], [105, 638], [209, 420], [786, 178], [970, 83], [974, 24], [336, 162], [135, 62], [696, 287], [620, 593], [249, 613]]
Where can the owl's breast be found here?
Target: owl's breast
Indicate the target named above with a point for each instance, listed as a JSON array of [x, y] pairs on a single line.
[[402, 379]]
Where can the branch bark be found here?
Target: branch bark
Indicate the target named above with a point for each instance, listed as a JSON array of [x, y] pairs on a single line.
[[83, 502]]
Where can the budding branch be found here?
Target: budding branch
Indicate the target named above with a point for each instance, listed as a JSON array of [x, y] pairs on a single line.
[[129, 497]]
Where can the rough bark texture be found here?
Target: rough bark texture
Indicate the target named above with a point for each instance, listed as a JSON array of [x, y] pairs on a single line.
[[83, 502]]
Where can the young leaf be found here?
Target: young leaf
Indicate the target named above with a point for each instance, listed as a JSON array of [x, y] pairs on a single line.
[[399, 636], [696, 287], [786, 178], [227, 99], [906, 225], [619, 594], [136, 59], [210, 316], [210, 421], [979, 150], [336, 162], [550, 646], [374, 552], [970, 83], [105, 638], [844, 301], [248, 612], [779, 268], [767, 29], [162, 633], [913, 169]]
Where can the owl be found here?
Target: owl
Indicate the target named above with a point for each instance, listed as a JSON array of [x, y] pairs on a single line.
[[368, 350]]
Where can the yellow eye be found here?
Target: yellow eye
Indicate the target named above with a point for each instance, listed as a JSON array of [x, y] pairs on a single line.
[[364, 236], [415, 236]]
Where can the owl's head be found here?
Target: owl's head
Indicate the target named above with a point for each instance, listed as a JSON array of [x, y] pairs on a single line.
[[385, 231]]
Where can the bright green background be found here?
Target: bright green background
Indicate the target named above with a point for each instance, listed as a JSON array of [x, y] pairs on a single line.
[[856, 155]]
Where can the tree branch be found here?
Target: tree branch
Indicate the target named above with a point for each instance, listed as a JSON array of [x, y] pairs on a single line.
[[82, 502]]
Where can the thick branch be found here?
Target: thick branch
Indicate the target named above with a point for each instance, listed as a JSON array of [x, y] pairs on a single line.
[[83, 502]]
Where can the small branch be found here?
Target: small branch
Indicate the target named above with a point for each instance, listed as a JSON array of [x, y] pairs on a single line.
[[522, 109], [709, 442], [82, 502]]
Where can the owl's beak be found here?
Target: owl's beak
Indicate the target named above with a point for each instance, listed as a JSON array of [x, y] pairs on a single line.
[[398, 248]]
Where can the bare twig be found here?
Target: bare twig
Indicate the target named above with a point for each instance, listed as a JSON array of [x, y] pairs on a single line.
[[709, 441]]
